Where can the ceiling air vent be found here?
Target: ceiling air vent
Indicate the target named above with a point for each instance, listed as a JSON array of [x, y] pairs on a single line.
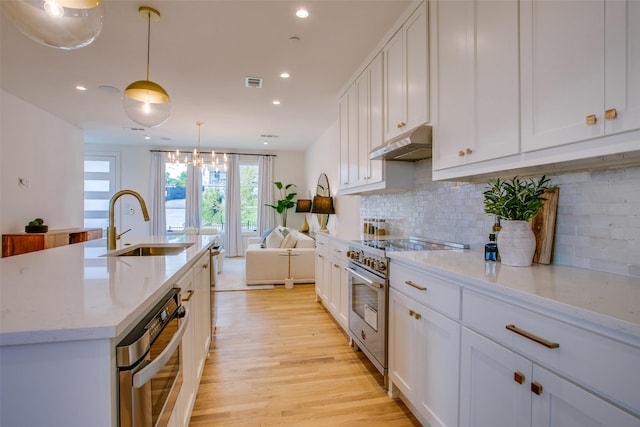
[[253, 82]]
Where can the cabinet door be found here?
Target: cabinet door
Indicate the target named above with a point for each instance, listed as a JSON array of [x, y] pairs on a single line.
[[348, 139], [563, 404], [439, 367], [394, 88], [343, 317], [203, 322], [490, 390], [563, 71], [405, 342], [622, 61], [362, 142], [476, 80], [188, 348], [417, 70], [376, 105], [335, 293], [322, 279], [406, 76]]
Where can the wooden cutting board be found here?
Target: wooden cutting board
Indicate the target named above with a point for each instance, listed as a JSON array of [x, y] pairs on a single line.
[[544, 225]]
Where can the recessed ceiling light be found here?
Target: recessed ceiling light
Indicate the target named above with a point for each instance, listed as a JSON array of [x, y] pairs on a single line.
[[82, 88], [265, 143], [285, 75], [302, 13], [276, 102], [147, 137]]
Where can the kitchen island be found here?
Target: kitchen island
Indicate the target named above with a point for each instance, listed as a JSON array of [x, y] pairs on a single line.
[[62, 311]]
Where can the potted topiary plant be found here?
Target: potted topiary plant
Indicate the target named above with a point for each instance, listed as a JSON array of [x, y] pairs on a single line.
[[286, 201], [516, 202], [36, 226]]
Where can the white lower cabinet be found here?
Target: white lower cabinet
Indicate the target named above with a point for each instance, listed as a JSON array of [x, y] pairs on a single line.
[[332, 278], [196, 293], [501, 388], [424, 348]]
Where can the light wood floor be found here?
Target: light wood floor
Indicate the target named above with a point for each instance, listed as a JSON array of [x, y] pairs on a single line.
[[279, 359]]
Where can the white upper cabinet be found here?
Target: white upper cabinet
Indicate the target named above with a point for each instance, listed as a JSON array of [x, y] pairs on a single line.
[[475, 86], [348, 139], [406, 76], [580, 70]]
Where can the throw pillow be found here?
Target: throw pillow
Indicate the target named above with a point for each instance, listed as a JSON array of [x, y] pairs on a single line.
[[285, 231], [290, 240], [274, 239]]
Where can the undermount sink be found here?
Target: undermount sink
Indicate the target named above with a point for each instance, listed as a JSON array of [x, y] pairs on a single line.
[[151, 249]]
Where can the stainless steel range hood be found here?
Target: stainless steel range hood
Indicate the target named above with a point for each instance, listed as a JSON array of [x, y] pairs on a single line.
[[409, 147]]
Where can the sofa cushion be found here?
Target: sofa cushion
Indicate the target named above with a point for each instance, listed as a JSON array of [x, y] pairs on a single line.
[[290, 240], [274, 239]]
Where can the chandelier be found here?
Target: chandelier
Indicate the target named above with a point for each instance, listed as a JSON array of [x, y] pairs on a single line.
[[197, 158]]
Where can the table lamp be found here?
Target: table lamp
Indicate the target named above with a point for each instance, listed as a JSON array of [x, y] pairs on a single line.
[[304, 206], [323, 205]]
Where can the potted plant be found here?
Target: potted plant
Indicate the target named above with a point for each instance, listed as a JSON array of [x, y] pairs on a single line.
[[36, 226], [286, 201], [516, 202]]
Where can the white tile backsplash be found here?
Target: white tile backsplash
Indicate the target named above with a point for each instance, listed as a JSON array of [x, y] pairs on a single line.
[[597, 227]]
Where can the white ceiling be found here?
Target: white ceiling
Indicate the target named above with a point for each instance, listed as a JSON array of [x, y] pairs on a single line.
[[201, 52]]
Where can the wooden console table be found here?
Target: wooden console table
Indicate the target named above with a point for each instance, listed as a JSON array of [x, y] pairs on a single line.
[[21, 243]]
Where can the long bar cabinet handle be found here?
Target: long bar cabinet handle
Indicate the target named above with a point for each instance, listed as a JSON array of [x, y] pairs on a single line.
[[190, 293], [418, 287], [535, 338]]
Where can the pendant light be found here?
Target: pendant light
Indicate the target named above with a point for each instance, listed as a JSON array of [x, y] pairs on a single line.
[[63, 24], [144, 101]]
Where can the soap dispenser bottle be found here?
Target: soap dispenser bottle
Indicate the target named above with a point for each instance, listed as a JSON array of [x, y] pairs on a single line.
[[491, 249]]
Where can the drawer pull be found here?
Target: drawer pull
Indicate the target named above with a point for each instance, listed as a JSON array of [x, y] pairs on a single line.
[[413, 285], [412, 313], [529, 335], [536, 388], [591, 119], [518, 377], [611, 114], [190, 293]]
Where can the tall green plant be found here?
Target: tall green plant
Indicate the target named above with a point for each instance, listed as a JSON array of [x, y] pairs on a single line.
[[515, 199], [285, 202]]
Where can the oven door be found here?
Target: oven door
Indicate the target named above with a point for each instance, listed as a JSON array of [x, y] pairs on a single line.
[[149, 391], [368, 314]]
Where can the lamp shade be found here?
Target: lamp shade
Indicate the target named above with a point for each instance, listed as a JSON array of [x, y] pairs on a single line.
[[303, 205], [62, 24], [322, 205]]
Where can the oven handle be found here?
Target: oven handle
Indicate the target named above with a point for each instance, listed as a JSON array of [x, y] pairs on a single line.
[[149, 371], [367, 281]]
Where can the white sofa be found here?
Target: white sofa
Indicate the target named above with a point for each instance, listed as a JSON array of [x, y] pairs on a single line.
[[270, 264]]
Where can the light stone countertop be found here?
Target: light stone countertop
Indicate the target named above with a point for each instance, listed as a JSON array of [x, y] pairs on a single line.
[[74, 293], [602, 299]]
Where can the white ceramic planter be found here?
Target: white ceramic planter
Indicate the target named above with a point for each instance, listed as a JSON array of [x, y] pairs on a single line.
[[516, 243]]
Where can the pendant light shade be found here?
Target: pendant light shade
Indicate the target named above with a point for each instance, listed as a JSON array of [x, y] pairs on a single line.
[[144, 101], [63, 24]]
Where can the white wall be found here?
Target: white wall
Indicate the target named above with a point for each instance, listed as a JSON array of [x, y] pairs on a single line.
[[49, 153], [324, 157]]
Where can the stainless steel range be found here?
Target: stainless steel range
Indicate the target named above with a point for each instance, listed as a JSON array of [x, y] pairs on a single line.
[[369, 291]]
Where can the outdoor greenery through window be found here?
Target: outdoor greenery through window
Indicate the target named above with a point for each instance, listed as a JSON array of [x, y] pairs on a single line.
[[214, 188]]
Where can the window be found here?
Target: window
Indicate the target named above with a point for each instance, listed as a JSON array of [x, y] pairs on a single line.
[[99, 187], [175, 196], [214, 192]]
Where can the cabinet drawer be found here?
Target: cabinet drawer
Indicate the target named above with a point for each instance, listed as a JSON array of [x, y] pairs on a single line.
[[435, 293], [322, 244], [338, 250], [607, 366]]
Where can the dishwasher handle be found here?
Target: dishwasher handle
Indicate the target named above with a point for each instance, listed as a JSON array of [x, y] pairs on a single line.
[[149, 371]]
